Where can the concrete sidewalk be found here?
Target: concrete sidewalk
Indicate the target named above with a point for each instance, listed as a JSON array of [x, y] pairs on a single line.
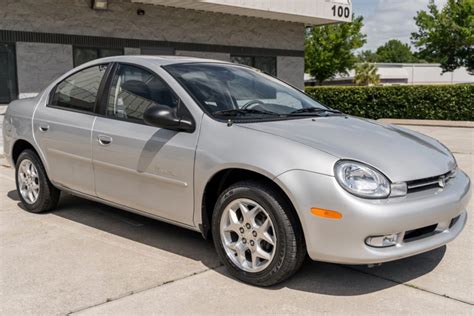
[[436, 123], [91, 259]]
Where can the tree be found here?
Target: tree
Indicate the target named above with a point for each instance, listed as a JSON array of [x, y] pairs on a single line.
[[447, 35], [367, 56], [329, 49], [366, 74], [395, 51]]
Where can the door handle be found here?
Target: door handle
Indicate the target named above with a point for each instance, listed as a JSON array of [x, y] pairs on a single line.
[[104, 140], [44, 127]]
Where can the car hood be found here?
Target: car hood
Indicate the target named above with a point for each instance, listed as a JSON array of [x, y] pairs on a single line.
[[401, 154]]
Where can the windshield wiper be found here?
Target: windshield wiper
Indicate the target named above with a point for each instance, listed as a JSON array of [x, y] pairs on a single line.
[[314, 111], [242, 112]]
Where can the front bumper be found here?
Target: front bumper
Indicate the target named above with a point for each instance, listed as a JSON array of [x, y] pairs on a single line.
[[343, 240]]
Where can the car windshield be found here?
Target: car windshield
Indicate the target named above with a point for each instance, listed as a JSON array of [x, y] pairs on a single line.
[[228, 91]]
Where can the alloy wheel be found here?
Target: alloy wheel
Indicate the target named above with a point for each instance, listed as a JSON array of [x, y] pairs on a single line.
[[248, 235], [28, 180]]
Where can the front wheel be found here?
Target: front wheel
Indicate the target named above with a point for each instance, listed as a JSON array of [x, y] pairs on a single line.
[[37, 194], [256, 234]]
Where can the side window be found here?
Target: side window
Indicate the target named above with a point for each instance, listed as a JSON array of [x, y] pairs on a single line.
[[134, 90], [79, 91]]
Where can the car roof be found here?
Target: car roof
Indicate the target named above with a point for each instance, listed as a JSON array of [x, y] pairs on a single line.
[[145, 59], [158, 60]]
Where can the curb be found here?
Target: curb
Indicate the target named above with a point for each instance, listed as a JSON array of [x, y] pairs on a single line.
[[434, 123]]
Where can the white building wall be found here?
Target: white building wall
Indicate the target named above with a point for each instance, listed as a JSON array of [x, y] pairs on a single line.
[[131, 51], [416, 74], [160, 23], [290, 69], [302, 11], [38, 64], [207, 55], [432, 74]]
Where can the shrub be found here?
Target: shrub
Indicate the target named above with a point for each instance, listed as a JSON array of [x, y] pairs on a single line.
[[444, 102]]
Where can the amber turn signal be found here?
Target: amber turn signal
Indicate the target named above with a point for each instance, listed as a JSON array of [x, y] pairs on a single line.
[[326, 213]]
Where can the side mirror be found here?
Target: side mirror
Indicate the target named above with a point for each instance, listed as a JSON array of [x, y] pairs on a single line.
[[165, 117]]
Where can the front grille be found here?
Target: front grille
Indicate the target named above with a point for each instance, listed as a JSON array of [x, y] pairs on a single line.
[[415, 234], [427, 231], [430, 183]]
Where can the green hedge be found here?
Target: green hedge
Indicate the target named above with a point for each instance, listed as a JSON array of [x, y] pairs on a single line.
[[446, 102]]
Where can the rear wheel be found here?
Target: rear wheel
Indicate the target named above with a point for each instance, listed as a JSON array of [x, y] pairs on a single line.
[[257, 235], [37, 194]]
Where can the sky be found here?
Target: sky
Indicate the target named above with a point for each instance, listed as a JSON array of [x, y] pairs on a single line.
[[389, 19]]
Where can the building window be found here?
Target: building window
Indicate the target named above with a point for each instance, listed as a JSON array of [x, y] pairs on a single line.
[[157, 51], [264, 63], [85, 54], [8, 78]]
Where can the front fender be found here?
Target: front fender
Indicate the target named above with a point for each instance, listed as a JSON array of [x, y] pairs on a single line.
[[223, 147]]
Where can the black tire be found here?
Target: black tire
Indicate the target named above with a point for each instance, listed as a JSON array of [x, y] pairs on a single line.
[[290, 247], [48, 195]]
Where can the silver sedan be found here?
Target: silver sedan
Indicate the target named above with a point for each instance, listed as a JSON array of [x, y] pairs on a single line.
[[266, 171]]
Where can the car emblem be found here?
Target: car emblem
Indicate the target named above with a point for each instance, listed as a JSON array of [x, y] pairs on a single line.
[[442, 182]]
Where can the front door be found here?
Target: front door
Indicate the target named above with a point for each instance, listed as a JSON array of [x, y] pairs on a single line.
[[8, 87], [139, 166]]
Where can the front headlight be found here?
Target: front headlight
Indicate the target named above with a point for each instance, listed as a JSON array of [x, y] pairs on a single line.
[[362, 180]]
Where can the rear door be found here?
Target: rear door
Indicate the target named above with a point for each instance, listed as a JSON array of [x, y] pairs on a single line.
[[142, 167], [63, 128]]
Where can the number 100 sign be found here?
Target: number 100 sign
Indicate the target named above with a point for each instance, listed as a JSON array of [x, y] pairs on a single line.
[[341, 8]]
